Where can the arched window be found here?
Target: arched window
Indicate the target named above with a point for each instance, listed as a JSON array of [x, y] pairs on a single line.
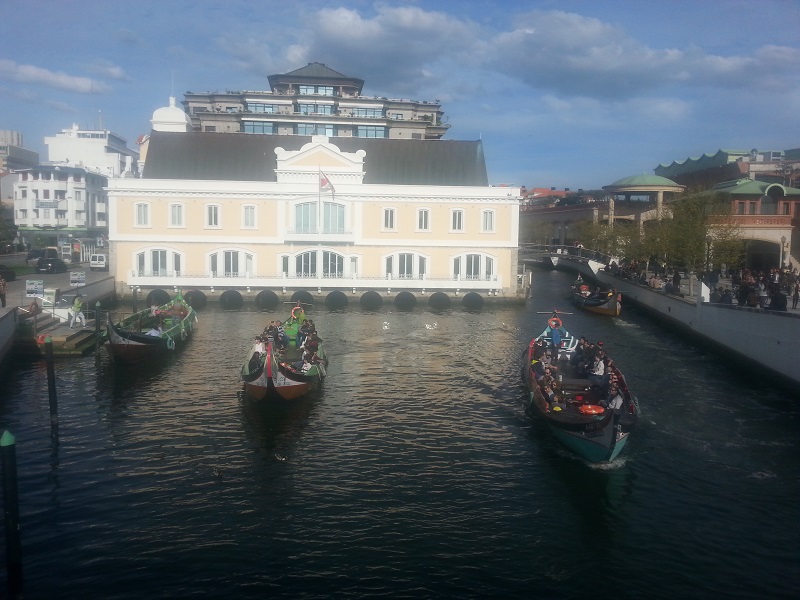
[[231, 263], [476, 266], [405, 265]]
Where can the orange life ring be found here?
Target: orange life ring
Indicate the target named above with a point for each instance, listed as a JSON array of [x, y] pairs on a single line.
[[294, 316], [554, 322], [41, 339], [591, 409]]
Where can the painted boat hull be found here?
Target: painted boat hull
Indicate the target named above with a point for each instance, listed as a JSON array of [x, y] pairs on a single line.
[[599, 437], [128, 344], [608, 302]]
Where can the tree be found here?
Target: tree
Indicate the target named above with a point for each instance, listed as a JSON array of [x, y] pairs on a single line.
[[8, 230]]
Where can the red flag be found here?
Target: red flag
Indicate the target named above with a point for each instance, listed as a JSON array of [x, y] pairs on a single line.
[[325, 184]]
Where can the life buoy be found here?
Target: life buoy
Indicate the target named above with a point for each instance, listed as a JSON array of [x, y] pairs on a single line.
[[41, 339], [591, 409], [554, 323], [170, 343], [295, 312]]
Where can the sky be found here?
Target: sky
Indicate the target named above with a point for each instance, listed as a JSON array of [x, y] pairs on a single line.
[[565, 94]]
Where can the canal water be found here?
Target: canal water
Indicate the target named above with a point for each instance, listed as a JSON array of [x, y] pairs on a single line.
[[415, 472]]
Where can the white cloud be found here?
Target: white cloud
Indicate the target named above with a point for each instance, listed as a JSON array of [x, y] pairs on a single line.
[[12, 71]]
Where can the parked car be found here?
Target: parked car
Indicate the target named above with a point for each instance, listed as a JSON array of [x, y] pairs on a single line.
[[8, 273], [51, 265], [37, 253], [98, 262]]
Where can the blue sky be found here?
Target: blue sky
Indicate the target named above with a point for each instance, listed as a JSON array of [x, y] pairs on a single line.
[[563, 93]]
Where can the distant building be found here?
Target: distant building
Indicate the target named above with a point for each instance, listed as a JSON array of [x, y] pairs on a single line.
[[771, 166], [13, 154], [315, 100], [62, 206], [97, 150]]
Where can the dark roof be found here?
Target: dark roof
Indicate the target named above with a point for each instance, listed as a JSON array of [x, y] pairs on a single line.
[[251, 157], [316, 69], [315, 73]]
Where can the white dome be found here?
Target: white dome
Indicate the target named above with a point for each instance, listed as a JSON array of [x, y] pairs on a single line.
[[171, 118]]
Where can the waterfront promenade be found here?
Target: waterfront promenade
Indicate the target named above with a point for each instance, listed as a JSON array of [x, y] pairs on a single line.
[[753, 336]]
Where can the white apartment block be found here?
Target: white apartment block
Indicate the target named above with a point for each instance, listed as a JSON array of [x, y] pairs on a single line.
[[97, 150], [62, 206]]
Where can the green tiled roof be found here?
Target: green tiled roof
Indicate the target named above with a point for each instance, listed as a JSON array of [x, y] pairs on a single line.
[[751, 187], [643, 181]]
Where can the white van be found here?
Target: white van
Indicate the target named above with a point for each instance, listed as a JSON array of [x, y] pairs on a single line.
[[98, 262]]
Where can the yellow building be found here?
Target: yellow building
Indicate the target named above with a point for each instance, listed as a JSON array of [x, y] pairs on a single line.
[[287, 214]]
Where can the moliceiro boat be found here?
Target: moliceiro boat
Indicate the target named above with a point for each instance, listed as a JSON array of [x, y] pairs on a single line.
[[579, 391], [596, 300], [286, 361], [152, 332]]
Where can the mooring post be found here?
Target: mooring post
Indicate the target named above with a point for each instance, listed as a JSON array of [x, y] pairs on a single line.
[[97, 328], [8, 455], [51, 379]]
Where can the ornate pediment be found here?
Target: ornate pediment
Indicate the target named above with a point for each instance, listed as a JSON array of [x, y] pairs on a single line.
[[318, 156]]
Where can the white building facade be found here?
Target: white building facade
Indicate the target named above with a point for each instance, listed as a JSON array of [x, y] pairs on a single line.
[[313, 217], [96, 150]]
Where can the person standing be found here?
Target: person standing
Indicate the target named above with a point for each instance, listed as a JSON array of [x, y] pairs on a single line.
[[76, 314], [3, 291], [795, 295]]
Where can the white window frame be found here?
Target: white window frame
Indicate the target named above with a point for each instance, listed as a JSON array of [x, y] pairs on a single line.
[[177, 223], [249, 208], [141, 209], [389, 222], [216, 209], [457, 218], [488, 221], [423, 214]]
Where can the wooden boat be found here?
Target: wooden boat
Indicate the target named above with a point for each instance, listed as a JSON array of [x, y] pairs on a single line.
[[270, 372], [579, 418], [596, 300], [152, 332]]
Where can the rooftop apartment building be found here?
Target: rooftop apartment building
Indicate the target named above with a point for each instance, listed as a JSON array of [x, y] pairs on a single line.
[[315, 100], [98, 150]]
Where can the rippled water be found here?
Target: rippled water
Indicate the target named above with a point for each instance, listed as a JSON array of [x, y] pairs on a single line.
[[414, 472]]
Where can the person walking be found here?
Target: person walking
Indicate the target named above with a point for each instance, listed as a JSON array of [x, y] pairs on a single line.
[[3, 291], [795, 295], [76, 313]]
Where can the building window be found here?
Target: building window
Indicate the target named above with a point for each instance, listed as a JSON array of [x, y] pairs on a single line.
[[487, 221], [142, 215], [231, 260], [476, 266], [332, 264], [405, 265], [212, 215], [371, 131], [311, 109], [388, 219], [248, 216], [333, 218], [305, 217], [423, 219], [258, 107], [285, 265], [78, 196], [786, 208], [176, 215], [158, 261], [258, 127], [389, 267], [315, 129], [306, 264], [457, 220], [210, 128], [319, 90], [423, 267], [752, 208], [740, 208], [374, 113], [140, 266]]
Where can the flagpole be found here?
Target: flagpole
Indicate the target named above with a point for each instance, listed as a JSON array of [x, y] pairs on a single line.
[[319, 199]]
